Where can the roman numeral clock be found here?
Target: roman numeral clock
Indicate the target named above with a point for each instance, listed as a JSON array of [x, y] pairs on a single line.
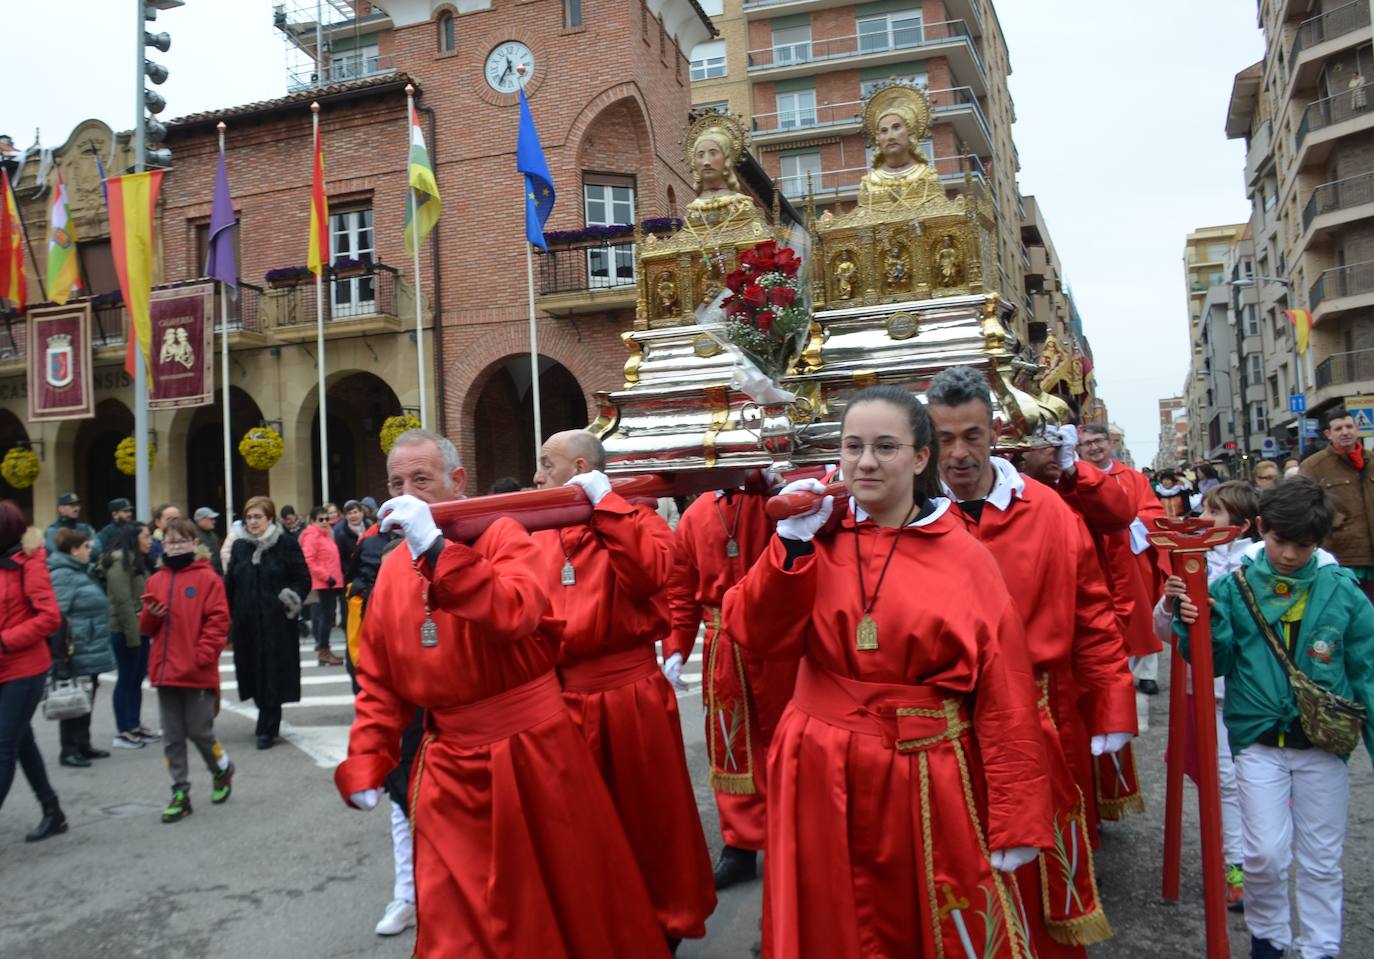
[[500, 70]]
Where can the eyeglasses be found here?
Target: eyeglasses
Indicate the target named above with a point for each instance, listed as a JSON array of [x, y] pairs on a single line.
[[322, 519], [884, 451]]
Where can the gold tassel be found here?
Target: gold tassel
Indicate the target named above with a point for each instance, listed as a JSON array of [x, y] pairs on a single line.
[[733, 784], [1084, 931], [1114, 809]]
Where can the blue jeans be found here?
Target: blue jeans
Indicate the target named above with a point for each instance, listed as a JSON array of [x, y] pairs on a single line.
[[19, 698], [128, 692]]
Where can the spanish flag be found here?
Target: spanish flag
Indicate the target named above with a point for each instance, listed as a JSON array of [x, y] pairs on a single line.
[[424, 188], [13, 283], [132, 200], [1302, 326], [63, 275], [318, 257]]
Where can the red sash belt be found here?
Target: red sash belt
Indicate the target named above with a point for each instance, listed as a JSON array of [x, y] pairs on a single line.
[[908, 718], [610, 671], [499, 716]]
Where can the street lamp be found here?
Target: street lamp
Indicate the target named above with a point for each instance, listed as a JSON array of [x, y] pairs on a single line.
[[1250, 281]]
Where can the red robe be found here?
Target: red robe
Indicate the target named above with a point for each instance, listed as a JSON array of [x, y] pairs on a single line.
[[743, 695], [1051, 570], [893, 771], [614, 613], [518, 850]]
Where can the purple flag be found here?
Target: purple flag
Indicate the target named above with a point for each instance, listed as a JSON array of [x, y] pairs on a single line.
[[221, 265]]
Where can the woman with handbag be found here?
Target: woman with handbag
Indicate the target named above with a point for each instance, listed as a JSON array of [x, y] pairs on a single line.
[[28, 615], [88, 653], [128, 563], [267, 581]]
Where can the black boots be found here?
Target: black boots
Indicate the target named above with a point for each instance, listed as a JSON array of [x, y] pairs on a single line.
[[735, 866], [53, 823]]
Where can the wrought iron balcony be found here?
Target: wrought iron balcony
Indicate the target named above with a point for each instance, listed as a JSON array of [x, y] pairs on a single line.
[[591, 265], [1335, 109], [915, 37], [1339, 195], [244, 309], [1338, 368], [1328, 26], [1351, 280], [370, 293]]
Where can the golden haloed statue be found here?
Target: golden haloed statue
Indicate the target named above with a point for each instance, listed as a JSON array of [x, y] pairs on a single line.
[[896, 118], [715, 142]]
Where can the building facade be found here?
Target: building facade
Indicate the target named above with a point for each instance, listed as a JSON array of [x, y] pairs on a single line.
[[1172, 449], [1204, 268]]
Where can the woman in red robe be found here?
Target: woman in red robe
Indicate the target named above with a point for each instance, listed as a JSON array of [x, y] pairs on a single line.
[[906, 779]]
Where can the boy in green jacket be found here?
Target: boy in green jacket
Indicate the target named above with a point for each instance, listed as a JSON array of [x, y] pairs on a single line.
[[1289, 788]]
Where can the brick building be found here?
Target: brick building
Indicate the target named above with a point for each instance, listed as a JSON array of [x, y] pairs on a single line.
[[609, 88]]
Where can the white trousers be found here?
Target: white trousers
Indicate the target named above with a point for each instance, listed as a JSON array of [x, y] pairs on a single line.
[[1294, 800], [402, 852], [1232, 841], [1145, 667]]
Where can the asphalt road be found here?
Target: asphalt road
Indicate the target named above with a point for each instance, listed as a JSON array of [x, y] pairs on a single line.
[[284, 871]]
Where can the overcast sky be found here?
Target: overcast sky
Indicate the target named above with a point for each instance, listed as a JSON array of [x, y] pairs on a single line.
[[1120, 109]]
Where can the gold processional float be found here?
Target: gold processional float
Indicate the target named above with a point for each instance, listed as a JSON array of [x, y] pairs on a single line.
[[728, 374]]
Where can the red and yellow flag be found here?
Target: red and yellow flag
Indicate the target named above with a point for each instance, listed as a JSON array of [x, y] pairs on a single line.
[[318, 257], [13, 283], [1302, 326], [132, 199]]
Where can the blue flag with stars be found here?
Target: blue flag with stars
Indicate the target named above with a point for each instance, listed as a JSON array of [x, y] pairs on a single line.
[[529, 160]]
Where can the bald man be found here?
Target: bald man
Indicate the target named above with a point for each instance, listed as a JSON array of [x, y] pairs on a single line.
[[607, 580]]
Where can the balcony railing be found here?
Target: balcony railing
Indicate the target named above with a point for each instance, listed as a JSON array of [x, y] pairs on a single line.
[[832, 183], [1337, 109], [836, 48], [581, 267], [340, 69], [1261, 146], [1338, 368], [1339, 195], [1330, 25], [372, 293], [851, 112], [1349, 280], [244, 310]]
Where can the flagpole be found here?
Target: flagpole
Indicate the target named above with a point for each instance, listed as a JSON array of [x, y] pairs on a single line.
[[319, 342], [142, 503], [534, 326], [415, 242], [224, 386]]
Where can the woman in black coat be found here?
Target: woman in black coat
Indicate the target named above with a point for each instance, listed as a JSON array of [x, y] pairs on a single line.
[[267, 581]]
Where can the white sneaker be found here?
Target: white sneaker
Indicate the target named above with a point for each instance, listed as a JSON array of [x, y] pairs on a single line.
[[127, 741], [399, 916]]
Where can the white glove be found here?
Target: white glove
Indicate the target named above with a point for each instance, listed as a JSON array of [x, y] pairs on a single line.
[[365, 800], [672, 669], [805, 526], [1010, 860], [411, 515], [1068, 446], [595, 484], [1110, 743]]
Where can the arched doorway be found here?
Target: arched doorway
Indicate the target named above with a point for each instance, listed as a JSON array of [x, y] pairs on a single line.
[[13, 433], [97, 480], [205, 456], [504, 420], [358, 405]]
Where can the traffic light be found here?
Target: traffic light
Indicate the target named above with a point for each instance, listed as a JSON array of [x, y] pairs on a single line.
[[150, 132]]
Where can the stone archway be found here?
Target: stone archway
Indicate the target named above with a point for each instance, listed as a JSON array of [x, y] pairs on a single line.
[[13, 433], [359, 402], [503, 430], [205, 456], [96, 479]]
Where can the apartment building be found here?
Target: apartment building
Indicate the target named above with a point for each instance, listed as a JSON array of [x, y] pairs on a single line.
[[798, 71], [1306, 113], [1173, 433], [1052, 308], [1205, 252]]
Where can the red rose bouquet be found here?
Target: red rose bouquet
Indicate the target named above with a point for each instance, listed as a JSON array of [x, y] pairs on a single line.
[[766, 315]]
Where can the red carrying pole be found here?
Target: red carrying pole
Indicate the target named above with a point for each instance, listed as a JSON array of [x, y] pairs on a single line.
[[1173, 789]]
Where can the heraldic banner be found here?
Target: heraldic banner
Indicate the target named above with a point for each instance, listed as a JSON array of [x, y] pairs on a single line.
[[182, 356], [59, 345]]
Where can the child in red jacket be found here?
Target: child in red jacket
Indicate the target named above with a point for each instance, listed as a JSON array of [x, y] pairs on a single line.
[[186, 614]]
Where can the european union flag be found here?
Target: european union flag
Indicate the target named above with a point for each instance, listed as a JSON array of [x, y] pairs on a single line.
[[539, 193]]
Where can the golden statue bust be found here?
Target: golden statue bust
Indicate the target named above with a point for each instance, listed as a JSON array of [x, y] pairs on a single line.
[[715, 142], [896, 118]]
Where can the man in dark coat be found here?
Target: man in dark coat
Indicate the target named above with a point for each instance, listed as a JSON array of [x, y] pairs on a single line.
[[121, 514], [266, 581]]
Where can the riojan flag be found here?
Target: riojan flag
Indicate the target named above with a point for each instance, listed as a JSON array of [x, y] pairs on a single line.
[[423, 213], [539, 192], [1302, 326], [132, 199], [318, 257], [63, 273], [13, 283]]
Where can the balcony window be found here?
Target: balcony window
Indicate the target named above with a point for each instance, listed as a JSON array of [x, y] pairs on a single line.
[[351, 237], [919, 80], [609, 200], [797, 109], [795, 167], [708, 60], [1255, 373], [1252, 326], [891, 31], [791, 45], [363, 62]]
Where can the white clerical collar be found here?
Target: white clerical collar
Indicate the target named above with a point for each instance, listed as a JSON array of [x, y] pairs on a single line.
[[940, 504], [721, 492], [1008, 483]]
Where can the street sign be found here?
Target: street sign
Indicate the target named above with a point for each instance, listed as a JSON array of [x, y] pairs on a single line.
[[1297, 403], [1270, 445], [1309, 427], [1361, 409]]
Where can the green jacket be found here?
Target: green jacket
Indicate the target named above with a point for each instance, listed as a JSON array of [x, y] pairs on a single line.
[[124, 590], [84, 604], [1335, 645]]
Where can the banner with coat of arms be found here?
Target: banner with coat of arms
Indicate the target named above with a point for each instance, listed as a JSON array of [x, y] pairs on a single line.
[[59, 347], [182, 356]]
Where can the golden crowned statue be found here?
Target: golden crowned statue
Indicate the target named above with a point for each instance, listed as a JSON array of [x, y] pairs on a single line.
[[896, 118]]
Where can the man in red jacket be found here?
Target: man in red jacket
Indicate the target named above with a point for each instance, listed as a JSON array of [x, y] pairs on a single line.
[[607, 581], [1047, 560]]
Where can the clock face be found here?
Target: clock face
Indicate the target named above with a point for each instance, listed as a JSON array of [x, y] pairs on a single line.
[[501, 63]]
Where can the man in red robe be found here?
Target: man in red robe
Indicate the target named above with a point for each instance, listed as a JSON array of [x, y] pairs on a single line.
[[1047, 560], [518, 848], [607, 580], [717, 539]]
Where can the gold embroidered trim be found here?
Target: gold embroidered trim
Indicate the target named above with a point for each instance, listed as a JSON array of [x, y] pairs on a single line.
[[927, 853], [949, 712], [732, 784], [1092, 927]]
